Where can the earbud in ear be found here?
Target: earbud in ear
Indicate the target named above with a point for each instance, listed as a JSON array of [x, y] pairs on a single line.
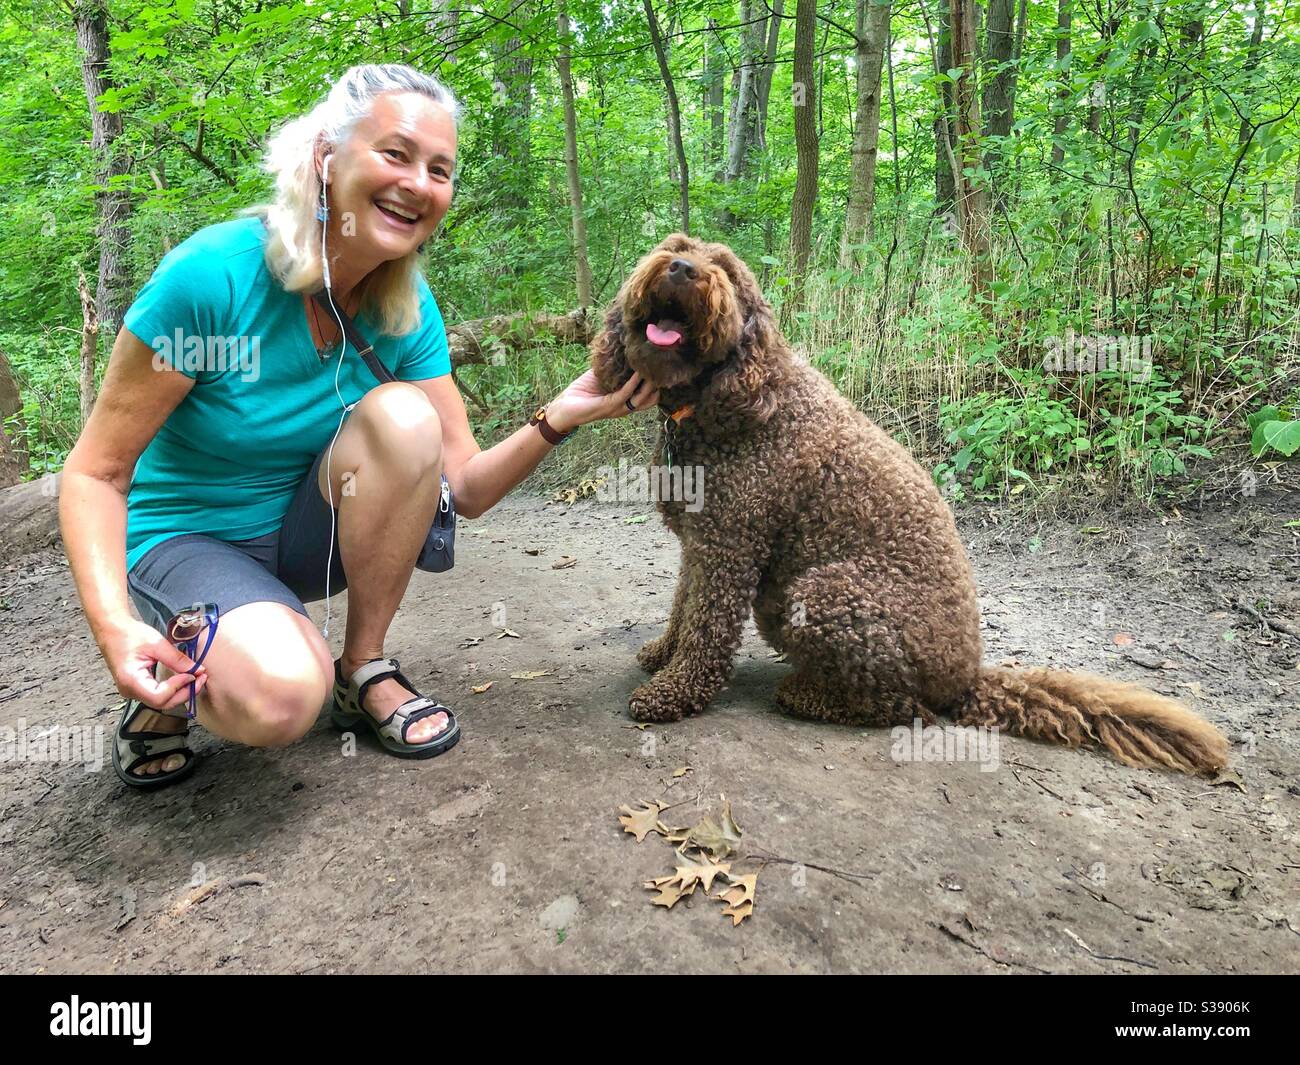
[[322, 211]]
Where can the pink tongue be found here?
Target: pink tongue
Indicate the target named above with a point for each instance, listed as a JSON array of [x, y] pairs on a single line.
[[664, 338]]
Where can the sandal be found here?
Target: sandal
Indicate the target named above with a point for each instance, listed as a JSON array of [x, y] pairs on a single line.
[[348, 710], [133, 749]]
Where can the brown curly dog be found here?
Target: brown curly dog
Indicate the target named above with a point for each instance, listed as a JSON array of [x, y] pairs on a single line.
[[831, 534]]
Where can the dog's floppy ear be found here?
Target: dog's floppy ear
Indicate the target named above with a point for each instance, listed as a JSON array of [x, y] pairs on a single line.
[[608, 359], [745, 382]]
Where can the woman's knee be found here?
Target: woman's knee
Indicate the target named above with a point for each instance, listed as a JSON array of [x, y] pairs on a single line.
[[398, 415], [270, 674], [272, 708]]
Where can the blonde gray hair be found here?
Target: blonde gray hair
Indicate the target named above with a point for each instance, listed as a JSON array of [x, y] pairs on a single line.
[[294, 232]]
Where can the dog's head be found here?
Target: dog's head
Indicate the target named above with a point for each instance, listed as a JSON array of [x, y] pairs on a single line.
[[692, 321]]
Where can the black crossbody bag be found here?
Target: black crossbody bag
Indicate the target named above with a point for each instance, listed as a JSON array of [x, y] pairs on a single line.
[[439, 551]]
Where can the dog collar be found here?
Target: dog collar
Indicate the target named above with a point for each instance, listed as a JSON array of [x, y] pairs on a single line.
[[682, 413]]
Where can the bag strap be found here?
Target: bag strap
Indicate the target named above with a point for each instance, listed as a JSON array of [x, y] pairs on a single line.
[[364, 348]]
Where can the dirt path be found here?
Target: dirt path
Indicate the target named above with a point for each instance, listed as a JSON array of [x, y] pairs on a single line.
[[506, 854]]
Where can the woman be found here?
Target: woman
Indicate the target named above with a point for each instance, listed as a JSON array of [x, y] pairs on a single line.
[[205, 478]]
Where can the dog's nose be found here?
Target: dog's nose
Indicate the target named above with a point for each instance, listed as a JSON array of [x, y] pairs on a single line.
[[681, 270]]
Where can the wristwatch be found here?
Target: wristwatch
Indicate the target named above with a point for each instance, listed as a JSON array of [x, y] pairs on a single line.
[[549, 433]]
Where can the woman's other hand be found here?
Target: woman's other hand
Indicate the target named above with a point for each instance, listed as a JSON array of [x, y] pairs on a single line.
[[131, 652], [584, 401]]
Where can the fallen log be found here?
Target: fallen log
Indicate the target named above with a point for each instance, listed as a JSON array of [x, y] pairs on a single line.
[[29, 516], [486, 340], [13, 459]]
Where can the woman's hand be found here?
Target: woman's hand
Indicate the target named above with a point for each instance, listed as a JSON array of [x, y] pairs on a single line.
[[584, 401], [130, 653]]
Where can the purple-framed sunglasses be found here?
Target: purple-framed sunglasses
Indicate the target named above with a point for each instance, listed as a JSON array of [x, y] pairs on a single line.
[[185, 630]]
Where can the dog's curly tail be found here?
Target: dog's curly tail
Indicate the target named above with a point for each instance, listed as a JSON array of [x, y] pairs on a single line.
[[1137, 726]]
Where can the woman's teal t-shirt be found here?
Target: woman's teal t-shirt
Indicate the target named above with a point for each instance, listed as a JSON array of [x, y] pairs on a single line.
[[230, 457]]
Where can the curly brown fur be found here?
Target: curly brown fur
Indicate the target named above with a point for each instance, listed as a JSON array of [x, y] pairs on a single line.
[[830, 534]]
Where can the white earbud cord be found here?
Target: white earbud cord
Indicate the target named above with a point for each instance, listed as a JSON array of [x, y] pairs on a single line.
[[329, 455]]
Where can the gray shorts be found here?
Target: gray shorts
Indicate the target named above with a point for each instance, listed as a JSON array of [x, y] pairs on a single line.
[[286, 566]]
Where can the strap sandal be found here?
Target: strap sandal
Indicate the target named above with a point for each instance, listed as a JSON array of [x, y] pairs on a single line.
[[134, 749], [349, 710]]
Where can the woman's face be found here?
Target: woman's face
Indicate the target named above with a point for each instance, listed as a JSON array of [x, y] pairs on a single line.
[[390, 183]]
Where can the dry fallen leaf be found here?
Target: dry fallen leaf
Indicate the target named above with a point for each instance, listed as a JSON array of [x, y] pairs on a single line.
[[690, 872], [1231, 777], [717, 839], [643, 821], [564, 562], [508, 632], [739, 898], [531, 674], [681, 772], [669, 893], [479, 689], [1122, 639]]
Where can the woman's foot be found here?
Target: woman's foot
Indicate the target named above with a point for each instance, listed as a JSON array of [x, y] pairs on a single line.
[[150, 749], [385, 696], [150, 720]]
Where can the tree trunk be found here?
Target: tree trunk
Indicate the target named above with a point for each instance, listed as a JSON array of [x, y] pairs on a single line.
[[805, 139], [1097, 95], [443, 24], [972, 195], [113, 205], [1252, 61], [89, 345], [1000, 79], [767, 70], [511, 120], [674, 117], [571, 161], [945, 183], [1063, 15], [872, 30], [714, 58], [744, 105]]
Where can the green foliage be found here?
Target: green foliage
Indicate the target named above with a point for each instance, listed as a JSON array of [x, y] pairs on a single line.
[[1004, 439], [1272, 429], [1147, 214]]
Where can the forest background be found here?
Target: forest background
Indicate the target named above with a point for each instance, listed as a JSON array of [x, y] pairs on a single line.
[[1054, 247]]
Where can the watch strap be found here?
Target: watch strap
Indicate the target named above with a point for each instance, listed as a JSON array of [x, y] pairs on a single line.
[[548, 431]]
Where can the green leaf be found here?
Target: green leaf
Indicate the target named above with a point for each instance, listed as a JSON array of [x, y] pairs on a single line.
[[1283, 437]]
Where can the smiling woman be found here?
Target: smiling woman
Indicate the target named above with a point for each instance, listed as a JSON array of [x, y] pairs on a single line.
[[379, 154], [251, 494]]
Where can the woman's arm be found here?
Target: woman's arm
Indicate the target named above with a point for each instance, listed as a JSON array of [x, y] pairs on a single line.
[[481, 479], [134, 400]]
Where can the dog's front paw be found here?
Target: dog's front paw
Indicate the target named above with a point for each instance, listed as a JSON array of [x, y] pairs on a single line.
[[655, 655], [658, 702]]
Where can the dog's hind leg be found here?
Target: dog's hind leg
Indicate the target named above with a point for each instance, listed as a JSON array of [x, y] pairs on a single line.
[[814, 697], [860, 657]]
